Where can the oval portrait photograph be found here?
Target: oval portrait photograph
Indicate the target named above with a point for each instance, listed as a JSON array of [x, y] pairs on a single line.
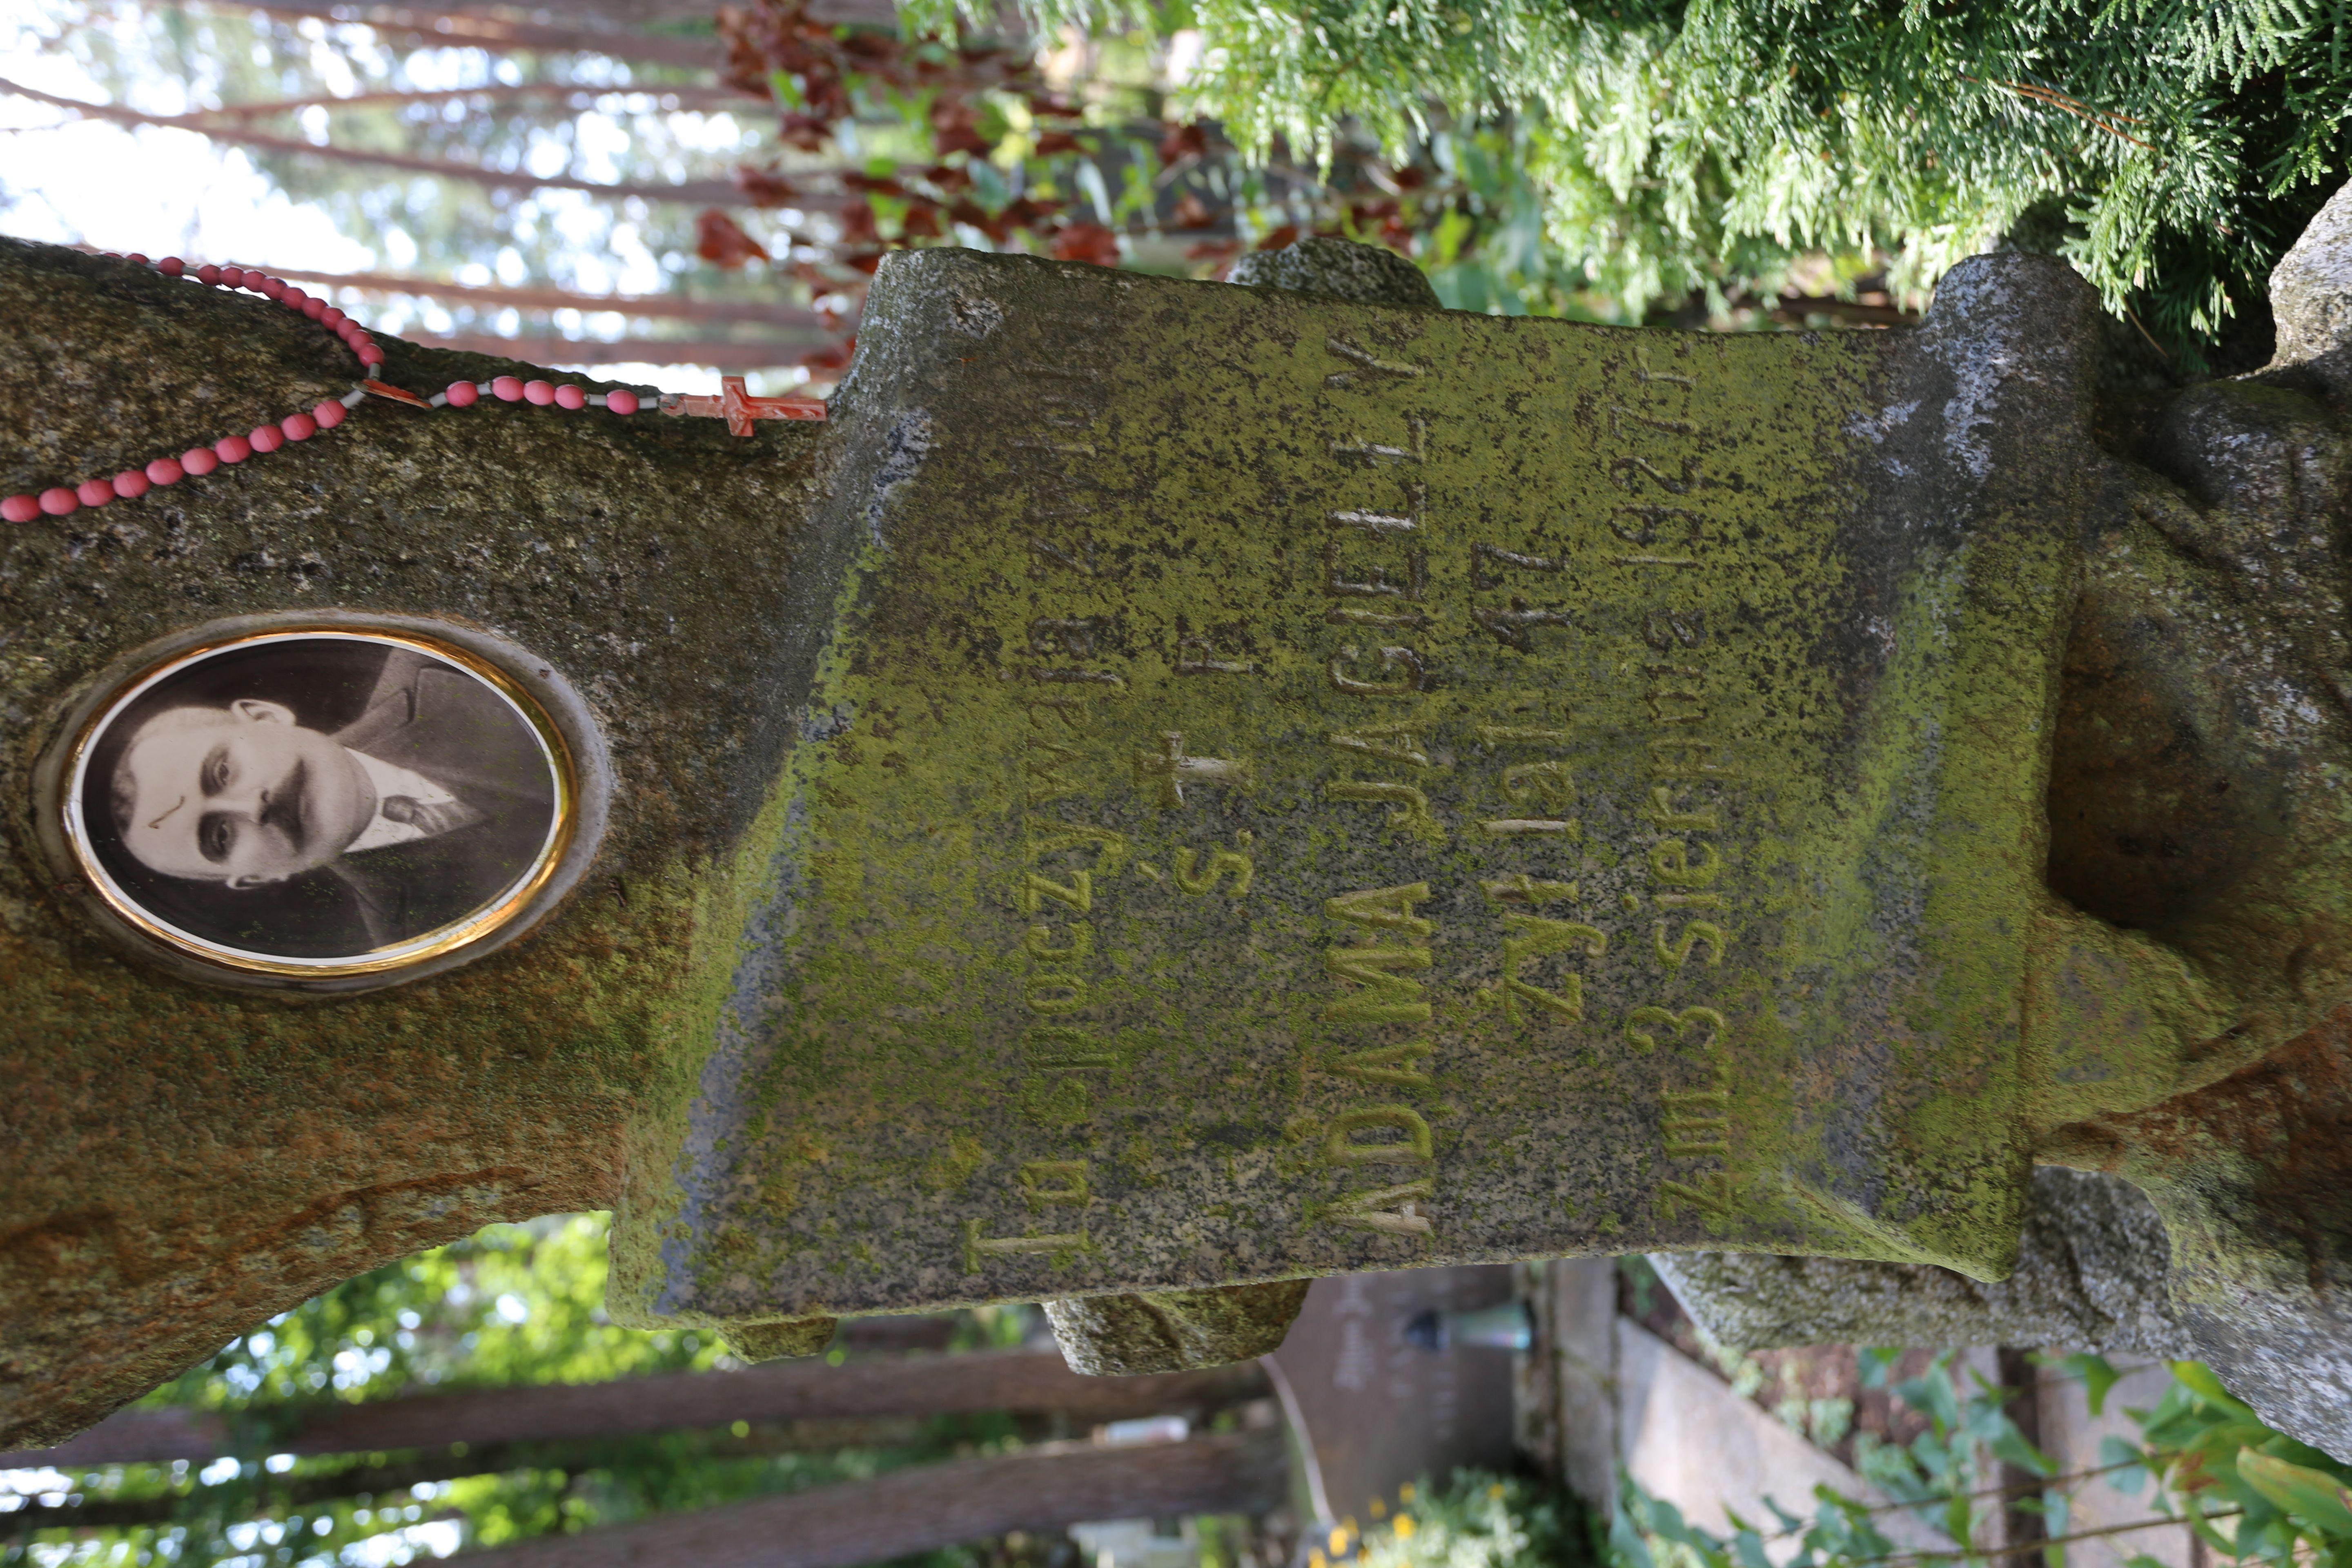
[[320, 801]]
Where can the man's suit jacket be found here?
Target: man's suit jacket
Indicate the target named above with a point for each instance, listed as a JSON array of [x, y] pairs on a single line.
[[449, 727]]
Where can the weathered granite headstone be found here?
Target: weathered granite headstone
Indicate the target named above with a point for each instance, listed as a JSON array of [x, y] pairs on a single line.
[[2090, 1275], [1177, 786], [2248, 1268]]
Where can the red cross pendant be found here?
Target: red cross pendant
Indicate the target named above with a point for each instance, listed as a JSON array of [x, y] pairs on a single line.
[[739, 408]]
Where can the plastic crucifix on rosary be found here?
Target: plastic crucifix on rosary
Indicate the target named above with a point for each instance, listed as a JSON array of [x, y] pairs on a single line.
[[739, 408]]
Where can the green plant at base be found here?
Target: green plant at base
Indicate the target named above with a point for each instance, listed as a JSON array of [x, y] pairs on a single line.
[[2212, 1462], [2210, 1459], [1481, 1521]]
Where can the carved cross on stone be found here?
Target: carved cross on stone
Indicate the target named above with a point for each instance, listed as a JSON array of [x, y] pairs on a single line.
[[1653, 846], [1164, 773]]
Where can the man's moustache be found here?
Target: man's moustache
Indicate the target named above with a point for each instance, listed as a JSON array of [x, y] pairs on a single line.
[[285, 811]]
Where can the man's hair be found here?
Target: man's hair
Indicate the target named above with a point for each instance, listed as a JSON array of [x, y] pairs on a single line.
[[122, 794]]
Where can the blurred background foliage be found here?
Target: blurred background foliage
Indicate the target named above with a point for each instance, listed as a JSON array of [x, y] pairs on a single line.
[[2202, 1464], [520, 1305], [514, 1305], [716, 189]]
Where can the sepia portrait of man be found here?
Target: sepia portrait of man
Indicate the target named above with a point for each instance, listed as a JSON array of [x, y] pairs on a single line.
[[318, 796]]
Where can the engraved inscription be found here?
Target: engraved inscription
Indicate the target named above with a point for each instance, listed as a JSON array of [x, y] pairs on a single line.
[[1376, 573], [1688, 883]]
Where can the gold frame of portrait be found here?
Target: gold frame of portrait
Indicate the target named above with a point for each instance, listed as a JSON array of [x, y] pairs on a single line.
[[422, 948]]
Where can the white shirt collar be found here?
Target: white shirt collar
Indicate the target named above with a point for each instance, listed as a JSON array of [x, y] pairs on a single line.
[[390, 779]]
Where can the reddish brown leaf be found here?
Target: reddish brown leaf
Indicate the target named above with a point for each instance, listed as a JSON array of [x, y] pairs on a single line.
[[763, 187], [972, 212], [857, 226], [1191, 212], [1181, 142], [806, 133], [1284, 236], [721, 241], [1028, 212], [961, 139], [1052, 142], [921, 222], [1088, 242]]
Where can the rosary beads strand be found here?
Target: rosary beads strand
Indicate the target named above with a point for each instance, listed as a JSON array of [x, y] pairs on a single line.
[[60, 500]]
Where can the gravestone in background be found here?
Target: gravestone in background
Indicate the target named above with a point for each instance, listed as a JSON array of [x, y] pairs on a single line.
[[1377, 1411], [1175, 787]]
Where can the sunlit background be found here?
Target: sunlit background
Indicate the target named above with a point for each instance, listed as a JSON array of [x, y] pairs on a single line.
[[581, 193], [664, 197]]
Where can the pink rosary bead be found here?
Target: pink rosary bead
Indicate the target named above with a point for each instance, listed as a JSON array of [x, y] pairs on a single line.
[[62, 501]]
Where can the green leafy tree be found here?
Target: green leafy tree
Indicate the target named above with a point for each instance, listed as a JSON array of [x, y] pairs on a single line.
[[2203, 1457], [513, 1304], [2170, 149], [2249, 1492]]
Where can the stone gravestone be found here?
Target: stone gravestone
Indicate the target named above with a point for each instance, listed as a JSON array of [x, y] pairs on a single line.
[[2241, 1263], [1176, 787]]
